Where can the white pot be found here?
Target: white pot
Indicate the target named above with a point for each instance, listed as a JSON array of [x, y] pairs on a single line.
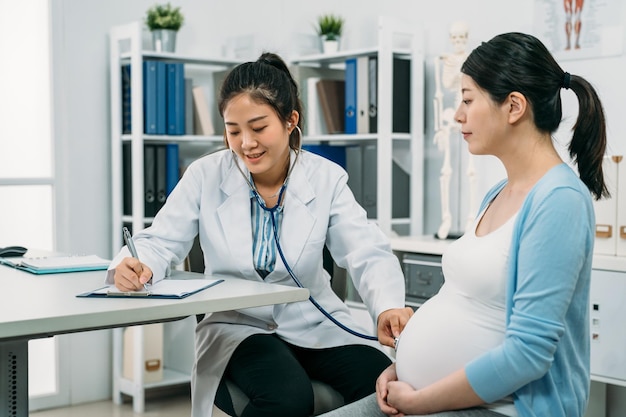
[[330, 46]]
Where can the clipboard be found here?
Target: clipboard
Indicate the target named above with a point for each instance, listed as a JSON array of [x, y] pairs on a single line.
[[57, 264], [164, 289]]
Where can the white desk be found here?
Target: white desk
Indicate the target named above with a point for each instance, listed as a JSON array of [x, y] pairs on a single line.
[[41, 306], [419, 244]]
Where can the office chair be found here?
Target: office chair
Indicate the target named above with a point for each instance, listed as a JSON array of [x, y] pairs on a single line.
[[324, 396]]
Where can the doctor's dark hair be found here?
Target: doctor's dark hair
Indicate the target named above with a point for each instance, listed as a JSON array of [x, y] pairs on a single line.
[[266, 81], [520, 62]]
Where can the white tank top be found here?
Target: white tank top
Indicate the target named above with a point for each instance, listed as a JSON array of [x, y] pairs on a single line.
[[466, 317]]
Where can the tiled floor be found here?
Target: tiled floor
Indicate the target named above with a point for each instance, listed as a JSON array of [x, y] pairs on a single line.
[[167, 405]]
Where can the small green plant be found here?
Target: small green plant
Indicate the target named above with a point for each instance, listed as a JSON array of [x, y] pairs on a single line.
[[330, 26], [164, 17]]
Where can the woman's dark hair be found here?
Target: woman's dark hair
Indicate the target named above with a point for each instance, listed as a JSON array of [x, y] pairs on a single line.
[[520, 62], [267, 81]]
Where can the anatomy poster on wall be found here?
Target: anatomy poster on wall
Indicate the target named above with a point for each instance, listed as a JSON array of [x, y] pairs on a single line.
[[579, 29]]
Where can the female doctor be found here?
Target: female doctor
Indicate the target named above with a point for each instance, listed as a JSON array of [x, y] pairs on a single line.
[[234, 200]]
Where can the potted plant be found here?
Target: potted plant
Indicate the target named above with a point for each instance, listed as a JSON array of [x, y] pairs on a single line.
[[329, 28], [164, 21]]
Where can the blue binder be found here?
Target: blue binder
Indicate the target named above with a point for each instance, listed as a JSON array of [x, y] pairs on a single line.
[[175, 98], [154, 97], [335, 153], [161, 98], [172, 166], [149, 97], [351, 99]]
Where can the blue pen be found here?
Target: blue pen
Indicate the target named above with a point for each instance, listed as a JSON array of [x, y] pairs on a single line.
[[131, 247]]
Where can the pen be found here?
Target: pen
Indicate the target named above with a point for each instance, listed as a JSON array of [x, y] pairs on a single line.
[[131, 247]]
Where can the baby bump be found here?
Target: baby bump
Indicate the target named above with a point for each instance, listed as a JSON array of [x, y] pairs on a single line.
[[443, 335]]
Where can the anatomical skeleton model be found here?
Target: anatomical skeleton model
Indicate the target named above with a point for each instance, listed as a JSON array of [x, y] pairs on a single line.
[[448, 79]]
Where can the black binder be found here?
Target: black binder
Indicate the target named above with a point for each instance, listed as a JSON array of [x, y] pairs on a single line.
[[161, 176], [401, 95], [127, 180], [372, 94], [149, 170]]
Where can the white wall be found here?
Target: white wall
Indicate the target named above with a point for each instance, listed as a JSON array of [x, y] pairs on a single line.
[[81, 99], [81, 78]]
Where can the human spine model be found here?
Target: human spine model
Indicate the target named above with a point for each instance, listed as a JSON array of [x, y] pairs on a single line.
[[448, 78]]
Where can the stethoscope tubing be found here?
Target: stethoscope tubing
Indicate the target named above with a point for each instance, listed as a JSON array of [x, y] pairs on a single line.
[[311, 299], [273, 210]]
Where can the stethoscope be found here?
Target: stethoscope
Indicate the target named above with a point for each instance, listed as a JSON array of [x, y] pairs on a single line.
[[272, 211]]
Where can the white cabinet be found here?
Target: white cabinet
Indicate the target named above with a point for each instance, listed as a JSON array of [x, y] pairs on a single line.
[[608, 339], [126, 48], [396, 40]]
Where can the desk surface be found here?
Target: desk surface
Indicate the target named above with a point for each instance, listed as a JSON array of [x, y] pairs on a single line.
[[36, 306], [420, 244]]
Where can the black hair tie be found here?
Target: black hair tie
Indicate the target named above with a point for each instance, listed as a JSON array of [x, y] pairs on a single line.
[[566, 80]]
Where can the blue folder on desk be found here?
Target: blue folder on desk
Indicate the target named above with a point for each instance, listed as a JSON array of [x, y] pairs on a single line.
[[166, 288], [57, 264]]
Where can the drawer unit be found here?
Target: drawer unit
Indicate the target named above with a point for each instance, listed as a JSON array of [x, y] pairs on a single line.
[[608, 340], [423, 277]]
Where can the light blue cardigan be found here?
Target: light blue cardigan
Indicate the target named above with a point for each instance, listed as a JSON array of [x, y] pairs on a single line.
[[544, 359]]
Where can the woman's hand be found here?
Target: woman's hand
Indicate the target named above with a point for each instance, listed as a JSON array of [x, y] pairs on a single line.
[[391, 323], [131, 275], [382, 393], [401, 396], [452, 392]]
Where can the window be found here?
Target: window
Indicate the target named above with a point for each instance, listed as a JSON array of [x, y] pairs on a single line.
[[26, 168], [26, 179]]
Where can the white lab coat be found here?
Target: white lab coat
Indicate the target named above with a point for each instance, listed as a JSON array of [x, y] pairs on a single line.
[[213, 199]]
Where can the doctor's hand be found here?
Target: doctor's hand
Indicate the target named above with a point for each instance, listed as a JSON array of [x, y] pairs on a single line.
[[391, 323], [131, 274]]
